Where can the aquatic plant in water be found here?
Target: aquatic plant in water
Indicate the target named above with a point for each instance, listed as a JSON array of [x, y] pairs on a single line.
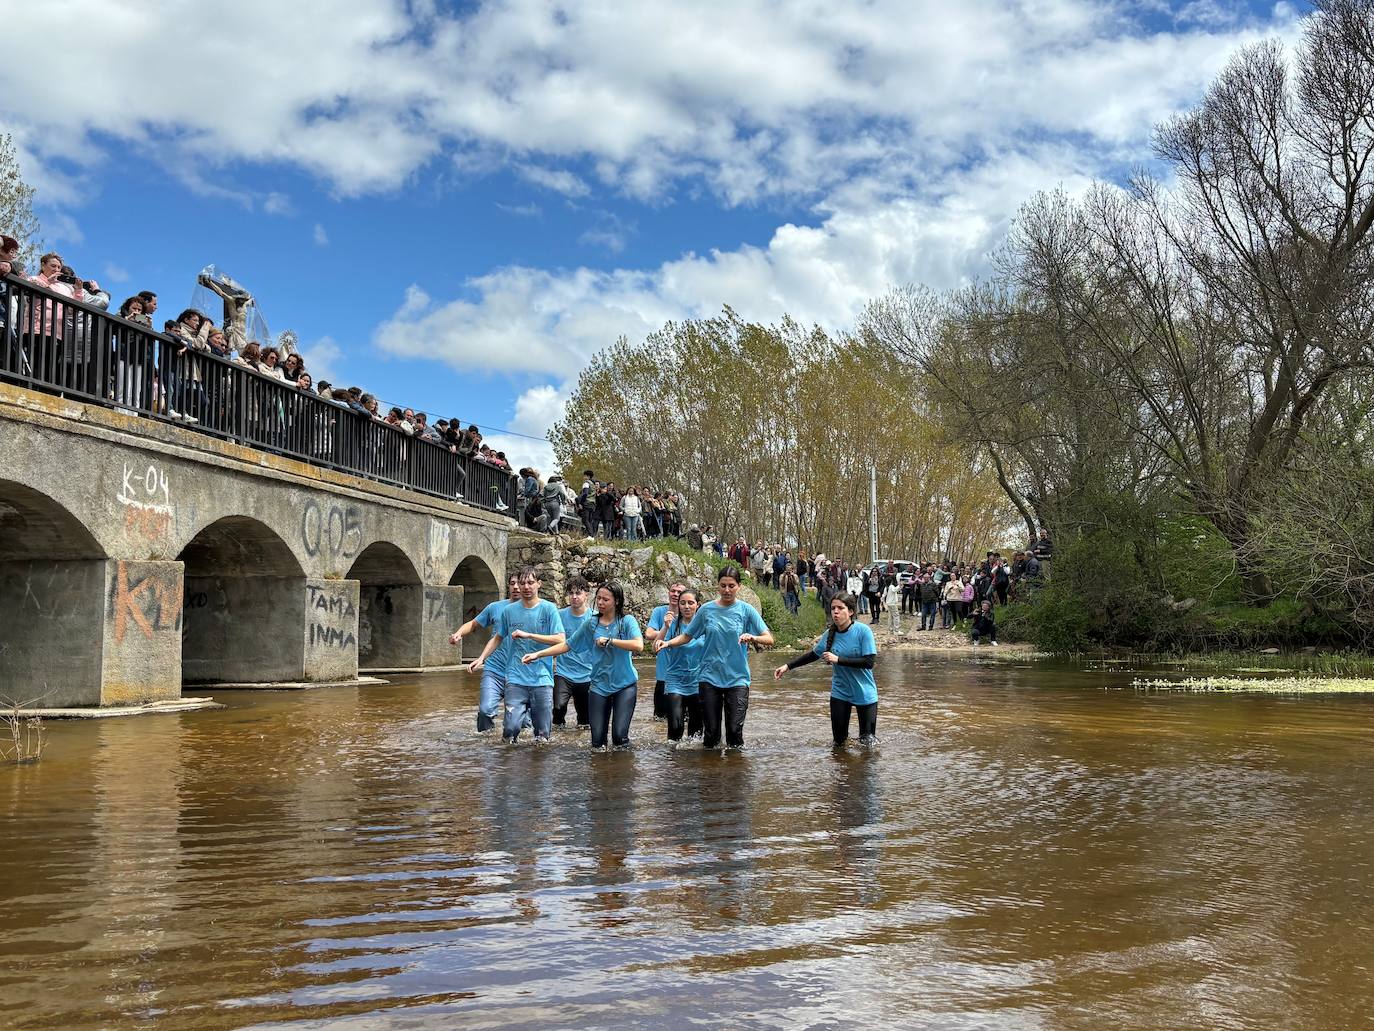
[[1259, 685]]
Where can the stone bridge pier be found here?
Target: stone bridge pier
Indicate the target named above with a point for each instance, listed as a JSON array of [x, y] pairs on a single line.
[[136, 557]]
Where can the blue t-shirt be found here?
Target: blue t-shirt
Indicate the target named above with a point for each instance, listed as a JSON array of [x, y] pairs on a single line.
[[489, 617], [576, 664], [682, 671], [656, 621], [613, 668], [847, 683], [724, 661], [541, 618]]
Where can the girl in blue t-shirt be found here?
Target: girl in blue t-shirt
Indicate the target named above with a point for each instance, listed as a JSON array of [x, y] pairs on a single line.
[[728, 627], [614, 682], [682, 672], [849, 647]]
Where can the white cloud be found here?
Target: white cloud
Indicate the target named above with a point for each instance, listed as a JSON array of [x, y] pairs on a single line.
[[752, 98], [521, 210], [115, 273], [277, 204], [558, 180], [321, 237], [527, 320], [323, 360]]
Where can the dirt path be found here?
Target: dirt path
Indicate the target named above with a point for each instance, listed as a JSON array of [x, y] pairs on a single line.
[[947, 641]]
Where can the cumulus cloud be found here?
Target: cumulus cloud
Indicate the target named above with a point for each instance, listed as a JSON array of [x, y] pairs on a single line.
[[645, 95], [558, 180], [528, 320], [323, 359]]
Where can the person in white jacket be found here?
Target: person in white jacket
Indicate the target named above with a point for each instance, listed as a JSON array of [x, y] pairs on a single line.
[[629, 508], [892, 599]]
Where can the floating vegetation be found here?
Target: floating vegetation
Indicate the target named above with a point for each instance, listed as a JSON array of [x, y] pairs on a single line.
[[1259, 685]]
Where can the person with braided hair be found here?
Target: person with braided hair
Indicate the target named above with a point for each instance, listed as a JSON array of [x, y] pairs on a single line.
[[849, 647]]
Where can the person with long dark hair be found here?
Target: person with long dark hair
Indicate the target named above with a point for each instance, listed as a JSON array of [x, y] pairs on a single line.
[[614, 685], [728, 626], [848, 646], [682, 672]]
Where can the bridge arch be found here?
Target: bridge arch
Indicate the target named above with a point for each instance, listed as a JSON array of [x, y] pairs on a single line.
[[480, 588], [390, 608], [244, 617], [52, 589]]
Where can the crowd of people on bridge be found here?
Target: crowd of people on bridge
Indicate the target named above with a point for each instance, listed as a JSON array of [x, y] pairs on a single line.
[[59, 344]]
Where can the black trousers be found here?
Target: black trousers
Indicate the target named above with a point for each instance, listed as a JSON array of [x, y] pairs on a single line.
[[564, 689], [875, 606], [660, 705], [683, 710], [723, 708], [839, 720]]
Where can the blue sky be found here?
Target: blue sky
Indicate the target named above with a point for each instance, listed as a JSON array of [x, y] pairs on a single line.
[[455, 206]]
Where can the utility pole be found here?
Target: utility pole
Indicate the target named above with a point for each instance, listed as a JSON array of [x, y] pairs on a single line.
[[872, 513]]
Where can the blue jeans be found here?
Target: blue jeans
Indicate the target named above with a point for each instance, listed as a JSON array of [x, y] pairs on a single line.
[[632, 527], [801, 578], [928, 614], [526, 705], [616, 710], [792, 602], [490, 695]]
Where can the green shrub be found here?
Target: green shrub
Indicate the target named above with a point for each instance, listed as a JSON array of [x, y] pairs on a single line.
[[1195, 561], [1098, 596]]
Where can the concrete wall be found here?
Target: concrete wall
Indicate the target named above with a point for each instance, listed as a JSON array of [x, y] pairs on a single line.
[[52, 616], [243, 629], [143, 626], [99, 512], [443, 614], [330, 638]]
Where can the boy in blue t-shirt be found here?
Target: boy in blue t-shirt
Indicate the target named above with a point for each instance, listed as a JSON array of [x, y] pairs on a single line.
[[572, 671], [492, 691], [529, 686]]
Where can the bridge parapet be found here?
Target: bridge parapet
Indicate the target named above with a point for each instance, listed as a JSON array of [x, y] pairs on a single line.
[[136, 554]]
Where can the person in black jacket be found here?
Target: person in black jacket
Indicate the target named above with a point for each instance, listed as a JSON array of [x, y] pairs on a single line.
[[984, 624]]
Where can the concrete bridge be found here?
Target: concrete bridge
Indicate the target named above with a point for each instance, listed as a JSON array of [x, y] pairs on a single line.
[[137, 556]]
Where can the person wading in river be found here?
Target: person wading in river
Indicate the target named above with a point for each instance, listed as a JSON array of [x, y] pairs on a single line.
[[529, 686], [572, 671], [492, 692], [615, 684], [682, 672], [652, 633], [729, 627], [849, 647]]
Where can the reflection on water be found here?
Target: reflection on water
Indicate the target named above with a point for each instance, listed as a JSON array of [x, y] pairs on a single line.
[[1024, 850]]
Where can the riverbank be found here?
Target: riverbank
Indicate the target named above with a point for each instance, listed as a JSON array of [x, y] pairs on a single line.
[[945, 642]]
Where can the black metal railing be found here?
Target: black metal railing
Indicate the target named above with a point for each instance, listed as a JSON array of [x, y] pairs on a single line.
[[54, 344]]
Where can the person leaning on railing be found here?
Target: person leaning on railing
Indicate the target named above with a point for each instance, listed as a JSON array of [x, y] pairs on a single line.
[[51, 323], [9, 266]]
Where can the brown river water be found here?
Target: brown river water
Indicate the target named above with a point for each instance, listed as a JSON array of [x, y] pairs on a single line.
[[1024, 850]]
